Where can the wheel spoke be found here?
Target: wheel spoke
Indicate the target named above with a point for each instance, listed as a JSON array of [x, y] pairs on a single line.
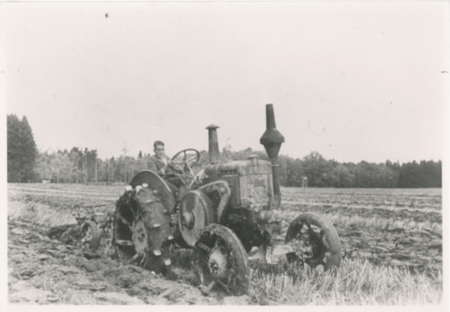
[[224, 287], [309, 226], [211, 285], [123, 220], [191, 159], [143, 259], [136, 257], [204, 247], [122, 242], [206, 290]]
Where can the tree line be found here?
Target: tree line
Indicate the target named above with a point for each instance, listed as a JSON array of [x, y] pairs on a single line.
[[320, 172], [27, 164]]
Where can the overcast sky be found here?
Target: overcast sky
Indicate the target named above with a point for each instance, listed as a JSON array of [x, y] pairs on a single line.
[[352, 81]]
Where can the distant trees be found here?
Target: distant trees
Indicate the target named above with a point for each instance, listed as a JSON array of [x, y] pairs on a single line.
[[341, 176], [56, 167], [321, 172], [423, 174], [78, 166], [22, 151], [291, 171], [83, 166], [317, 169]]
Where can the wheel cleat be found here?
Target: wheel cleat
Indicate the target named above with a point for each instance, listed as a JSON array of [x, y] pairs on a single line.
[[167, 262], [147, 227], [170, 237], [128, 188]]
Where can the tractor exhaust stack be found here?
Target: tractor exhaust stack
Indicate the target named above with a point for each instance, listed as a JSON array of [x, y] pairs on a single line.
[[272, 140], [214, 154]]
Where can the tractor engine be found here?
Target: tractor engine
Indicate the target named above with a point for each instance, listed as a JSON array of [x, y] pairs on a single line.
[[250, 182], [254, 188], [251, 196]]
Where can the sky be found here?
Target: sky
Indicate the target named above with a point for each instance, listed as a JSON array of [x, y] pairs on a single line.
[[352, 81]]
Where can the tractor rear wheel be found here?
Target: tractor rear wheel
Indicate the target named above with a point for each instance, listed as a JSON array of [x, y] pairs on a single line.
[[142, 232], [220, 259], [315, 241]]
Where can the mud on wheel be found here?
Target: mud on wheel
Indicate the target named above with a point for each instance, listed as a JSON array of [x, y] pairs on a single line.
[[315, 241], [220, 260], [142, 230]]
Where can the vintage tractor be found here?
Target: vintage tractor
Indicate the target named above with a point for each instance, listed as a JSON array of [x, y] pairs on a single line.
[[228, 213]]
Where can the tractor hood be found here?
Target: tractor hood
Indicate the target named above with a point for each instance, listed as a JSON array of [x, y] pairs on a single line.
[[250, 181]]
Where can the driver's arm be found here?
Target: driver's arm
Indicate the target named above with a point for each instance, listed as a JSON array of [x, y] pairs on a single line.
[[161, 172], [151, 165]]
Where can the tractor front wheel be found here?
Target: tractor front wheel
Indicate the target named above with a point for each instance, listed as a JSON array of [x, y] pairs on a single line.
[[221, 260], [314, 240]]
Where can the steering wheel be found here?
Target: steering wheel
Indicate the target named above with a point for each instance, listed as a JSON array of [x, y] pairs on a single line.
[[182, 162], [187, 157]]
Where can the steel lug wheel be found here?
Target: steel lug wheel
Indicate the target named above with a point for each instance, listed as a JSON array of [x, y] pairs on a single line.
[[142, 232], [220, 259], [314, 240]]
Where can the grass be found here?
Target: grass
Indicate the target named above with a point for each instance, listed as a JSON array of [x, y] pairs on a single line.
[[356, 282]]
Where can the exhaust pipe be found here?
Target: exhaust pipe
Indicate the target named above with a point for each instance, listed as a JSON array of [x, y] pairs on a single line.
[[214, 154], [272, 140]]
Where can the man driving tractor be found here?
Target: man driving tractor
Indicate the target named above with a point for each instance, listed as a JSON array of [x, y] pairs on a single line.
[[159, 161], [166, 169]]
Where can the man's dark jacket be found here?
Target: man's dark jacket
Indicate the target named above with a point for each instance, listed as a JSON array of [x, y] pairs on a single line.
[[155, 164]]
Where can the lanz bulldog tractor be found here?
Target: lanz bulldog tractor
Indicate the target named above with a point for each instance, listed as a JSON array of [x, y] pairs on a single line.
[[224, 212]]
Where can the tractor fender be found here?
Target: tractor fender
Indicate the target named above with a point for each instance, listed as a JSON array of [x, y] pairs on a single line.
[[155, 182]]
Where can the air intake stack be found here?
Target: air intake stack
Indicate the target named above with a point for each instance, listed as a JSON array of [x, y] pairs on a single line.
[[214, 154], [272, 140]]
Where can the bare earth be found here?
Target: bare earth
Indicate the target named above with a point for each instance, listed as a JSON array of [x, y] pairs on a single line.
[[47, 271], [387, 227]]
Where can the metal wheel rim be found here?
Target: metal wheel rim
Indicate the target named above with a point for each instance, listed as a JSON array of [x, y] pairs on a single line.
[[323, 236], [234, 281]]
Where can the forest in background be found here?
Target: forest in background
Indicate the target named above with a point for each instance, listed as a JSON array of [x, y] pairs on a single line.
[[27, 164]]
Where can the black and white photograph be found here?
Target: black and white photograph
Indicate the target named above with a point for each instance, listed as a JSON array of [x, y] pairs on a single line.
[[224, 153]]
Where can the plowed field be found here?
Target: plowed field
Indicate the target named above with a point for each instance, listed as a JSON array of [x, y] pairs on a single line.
[[391, 241]]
